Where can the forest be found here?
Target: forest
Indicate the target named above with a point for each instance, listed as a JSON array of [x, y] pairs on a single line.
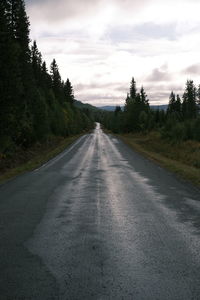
[[180, 122], [34, 104]]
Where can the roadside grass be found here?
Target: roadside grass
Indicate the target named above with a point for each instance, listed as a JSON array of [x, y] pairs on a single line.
[[33, 158], [182, 158]]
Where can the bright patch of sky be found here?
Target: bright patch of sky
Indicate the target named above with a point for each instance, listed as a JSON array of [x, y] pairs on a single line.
[[101, 44]]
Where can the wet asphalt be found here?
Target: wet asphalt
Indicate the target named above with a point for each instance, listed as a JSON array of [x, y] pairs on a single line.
[[99, 221]]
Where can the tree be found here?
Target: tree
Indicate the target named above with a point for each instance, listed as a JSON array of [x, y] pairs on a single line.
[[11, 84], [174, 106], [189, 107], [144, 100], [56, 79], [133, 89], [172, 103], [68, 91], [55, 75], [134, 105], [198, 98], [143, 96], [36, 60], [118, 110], [178, 104], [33, 103]]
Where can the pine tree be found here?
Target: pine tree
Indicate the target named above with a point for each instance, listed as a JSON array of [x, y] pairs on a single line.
[[174, 107], [36, 62], [118, 109], [198, 98], [11, 85], [172, 103], [56, 81], [133, 89], [144, 100], [69, 93], [189, 106], [31, 99], [178, 105], [19, 25]]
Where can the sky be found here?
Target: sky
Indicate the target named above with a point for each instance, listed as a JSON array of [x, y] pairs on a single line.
[[101, 44]]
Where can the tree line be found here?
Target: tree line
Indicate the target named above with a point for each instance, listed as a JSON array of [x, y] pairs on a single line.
[[34, 104], [181, 120]]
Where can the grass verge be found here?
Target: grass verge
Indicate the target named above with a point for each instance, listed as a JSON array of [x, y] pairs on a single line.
[[33, 158], [181, 158]]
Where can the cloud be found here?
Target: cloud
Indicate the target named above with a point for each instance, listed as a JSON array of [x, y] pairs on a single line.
[[142, 31], [101, 44], [101, 99], [62, 9], [159, 74], [192, 70]]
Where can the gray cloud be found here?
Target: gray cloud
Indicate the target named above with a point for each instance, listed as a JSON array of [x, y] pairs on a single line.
[[62, 9], [97, 99], [112, 87], [145, 31], [193, 69], [159, 74], [160, 93], [56, 11]]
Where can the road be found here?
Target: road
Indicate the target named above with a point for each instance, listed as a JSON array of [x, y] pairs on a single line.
[[99, 221]]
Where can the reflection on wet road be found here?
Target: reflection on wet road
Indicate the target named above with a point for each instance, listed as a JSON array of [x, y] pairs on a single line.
[[117, 226], [108, 233]]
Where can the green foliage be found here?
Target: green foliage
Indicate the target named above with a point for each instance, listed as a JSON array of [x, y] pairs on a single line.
[[180, 123], [34, 104], [68, 91], [189, 107], [143, 121], [196, 129]]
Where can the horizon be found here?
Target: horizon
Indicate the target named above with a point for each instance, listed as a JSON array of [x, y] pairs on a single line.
[[100, 45]]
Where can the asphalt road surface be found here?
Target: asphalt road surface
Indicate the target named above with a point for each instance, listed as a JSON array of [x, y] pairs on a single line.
[[99, 221]]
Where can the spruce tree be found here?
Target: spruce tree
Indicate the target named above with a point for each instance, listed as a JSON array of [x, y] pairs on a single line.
[[68, 91], [144, 100], [133, 89], [189, 106], [11, 85], [172, 103], [56, 81], [36, 61], [19, 26]]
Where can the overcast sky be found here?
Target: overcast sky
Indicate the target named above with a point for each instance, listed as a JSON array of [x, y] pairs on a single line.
[[101, 44]]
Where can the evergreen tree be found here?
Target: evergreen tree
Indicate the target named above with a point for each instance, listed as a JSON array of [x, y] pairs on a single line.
[[56, 81], [133, 89], [127, 101], [134, 105], [172, 103], [36, 60], [189, 106], [144, 100], [118, 110], [178, 105], [34, 103], [19, 26], [198, 99], [68, 91], [198, 95], [11, 85]]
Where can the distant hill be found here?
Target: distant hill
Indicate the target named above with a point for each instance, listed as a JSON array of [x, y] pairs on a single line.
[[160, 107], [155, 107], [82, 105], [109, 108]]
